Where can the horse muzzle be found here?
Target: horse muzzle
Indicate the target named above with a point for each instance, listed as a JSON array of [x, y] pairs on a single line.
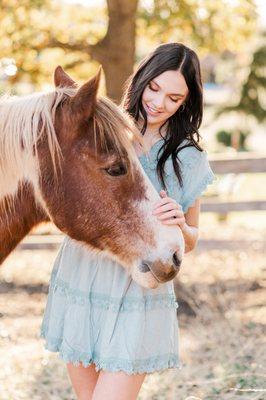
[[162, 271]]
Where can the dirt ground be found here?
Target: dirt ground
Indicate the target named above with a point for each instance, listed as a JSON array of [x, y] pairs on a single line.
[[222, 316]]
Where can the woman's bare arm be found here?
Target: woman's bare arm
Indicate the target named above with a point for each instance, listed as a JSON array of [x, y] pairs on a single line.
[[190, 229]]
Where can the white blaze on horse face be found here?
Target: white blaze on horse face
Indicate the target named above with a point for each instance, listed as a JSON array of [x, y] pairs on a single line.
[[168, 239]]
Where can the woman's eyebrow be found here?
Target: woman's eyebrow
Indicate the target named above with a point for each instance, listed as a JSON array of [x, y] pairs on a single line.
[[171, 94]]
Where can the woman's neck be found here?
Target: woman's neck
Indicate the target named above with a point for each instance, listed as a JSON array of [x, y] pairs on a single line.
[[150, 137], [153, 131]]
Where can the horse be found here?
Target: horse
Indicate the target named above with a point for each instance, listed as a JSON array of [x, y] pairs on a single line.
[[69, 156]]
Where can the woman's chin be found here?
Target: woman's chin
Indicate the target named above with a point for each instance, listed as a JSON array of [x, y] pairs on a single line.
[[154, 120]]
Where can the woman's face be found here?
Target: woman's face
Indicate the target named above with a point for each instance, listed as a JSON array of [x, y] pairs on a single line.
[[163, 96]]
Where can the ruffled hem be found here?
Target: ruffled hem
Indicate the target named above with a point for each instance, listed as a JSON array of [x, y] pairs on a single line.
[[116, 304], [114, 364], [210, 178]]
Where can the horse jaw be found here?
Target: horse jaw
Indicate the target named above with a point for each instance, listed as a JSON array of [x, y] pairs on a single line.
[[18, 215]]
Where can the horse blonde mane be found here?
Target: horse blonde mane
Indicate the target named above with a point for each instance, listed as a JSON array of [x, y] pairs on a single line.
[[24, 120]]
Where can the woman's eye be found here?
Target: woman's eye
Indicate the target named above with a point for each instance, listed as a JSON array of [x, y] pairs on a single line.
[[152, 88], [174, 100], [116, 170]]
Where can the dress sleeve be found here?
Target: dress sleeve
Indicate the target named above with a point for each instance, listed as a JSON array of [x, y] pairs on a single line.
[[197, 176]]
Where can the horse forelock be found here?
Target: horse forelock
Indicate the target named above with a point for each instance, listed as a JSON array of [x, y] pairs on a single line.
[[112, 124]]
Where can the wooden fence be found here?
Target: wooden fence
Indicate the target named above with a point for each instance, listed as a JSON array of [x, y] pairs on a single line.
[[239, 163]]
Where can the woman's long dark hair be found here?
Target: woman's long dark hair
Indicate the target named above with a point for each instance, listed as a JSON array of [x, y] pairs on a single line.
[[184, 124]]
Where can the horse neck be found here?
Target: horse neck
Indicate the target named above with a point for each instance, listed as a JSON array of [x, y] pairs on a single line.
[[18, 215]]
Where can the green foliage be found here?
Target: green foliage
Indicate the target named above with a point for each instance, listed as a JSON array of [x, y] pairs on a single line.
[[255, 87], [224, 137], [29, 34], [202, 24], [227, 138], [253, 91]]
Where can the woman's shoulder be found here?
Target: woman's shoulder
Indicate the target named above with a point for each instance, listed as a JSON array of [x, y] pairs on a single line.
[[189, 154]]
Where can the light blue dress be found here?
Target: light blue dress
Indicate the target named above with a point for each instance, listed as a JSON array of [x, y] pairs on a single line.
[[96, 313]]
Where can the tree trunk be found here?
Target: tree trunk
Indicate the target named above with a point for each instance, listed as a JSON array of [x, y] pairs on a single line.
[[116, 52]]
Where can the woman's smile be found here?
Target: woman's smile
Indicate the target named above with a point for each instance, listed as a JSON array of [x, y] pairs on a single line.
[[151, 110]]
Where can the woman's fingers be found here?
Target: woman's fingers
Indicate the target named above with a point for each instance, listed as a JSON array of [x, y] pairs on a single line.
[[168, 211], [170, 214], [163, 193], [165, 200], [175, 221], [166, 207]]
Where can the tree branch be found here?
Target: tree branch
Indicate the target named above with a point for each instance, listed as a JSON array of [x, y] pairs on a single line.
[[96, 51], [78, 46]]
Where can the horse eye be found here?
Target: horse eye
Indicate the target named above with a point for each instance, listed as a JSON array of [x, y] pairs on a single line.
[[116, 170]]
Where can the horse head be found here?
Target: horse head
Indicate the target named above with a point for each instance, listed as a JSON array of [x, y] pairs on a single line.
[[87, 179]]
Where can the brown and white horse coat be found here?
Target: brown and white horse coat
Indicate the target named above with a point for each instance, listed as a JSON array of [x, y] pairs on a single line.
[[69, 157]]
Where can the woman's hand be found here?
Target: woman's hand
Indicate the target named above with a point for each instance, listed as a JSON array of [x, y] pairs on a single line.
[[169, 211]]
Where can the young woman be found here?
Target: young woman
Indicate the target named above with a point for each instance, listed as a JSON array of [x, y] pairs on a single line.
[[108, 353]]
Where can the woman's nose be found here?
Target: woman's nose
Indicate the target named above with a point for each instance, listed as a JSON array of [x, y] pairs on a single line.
[[158, 103]]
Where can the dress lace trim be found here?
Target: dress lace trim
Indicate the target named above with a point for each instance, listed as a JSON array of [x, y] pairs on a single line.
[[106, 302], [112, 364]]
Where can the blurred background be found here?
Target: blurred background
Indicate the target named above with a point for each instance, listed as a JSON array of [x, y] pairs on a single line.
[[221, 286]]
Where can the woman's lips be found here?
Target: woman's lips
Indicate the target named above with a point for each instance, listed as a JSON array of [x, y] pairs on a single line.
[[151, 111]]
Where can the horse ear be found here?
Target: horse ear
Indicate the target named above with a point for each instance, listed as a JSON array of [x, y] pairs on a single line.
[[62, 79], [83, 103]]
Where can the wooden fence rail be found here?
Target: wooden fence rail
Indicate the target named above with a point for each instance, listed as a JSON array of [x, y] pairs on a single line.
[[236, 163], [239, 163]]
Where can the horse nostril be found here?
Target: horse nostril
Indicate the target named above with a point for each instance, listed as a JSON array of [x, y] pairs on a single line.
[[144, 267], [176, 261]]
